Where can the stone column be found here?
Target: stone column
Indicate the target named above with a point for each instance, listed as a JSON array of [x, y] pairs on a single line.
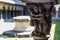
[[16, 13], [6, 14], [10, 13], [13, 13], [1, 14], [24, 10]]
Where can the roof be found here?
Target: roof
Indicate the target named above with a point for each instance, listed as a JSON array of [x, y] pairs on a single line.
[[17, 2], [42, 1]]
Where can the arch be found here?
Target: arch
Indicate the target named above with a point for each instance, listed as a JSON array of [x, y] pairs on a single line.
[[11, 12], [8, 12], [4, 13], [15, 11], [15, 8], [0, 13], [12, 8], [19, 11], [3, 7], [8, 8]]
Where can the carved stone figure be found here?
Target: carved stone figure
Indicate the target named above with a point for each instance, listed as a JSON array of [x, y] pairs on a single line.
[[40, 13]]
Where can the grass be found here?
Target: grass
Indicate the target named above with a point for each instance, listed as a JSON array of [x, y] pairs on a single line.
[[57, 30]]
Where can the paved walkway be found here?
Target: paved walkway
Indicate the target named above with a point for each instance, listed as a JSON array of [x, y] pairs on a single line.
[[4, 26], [16, 39]]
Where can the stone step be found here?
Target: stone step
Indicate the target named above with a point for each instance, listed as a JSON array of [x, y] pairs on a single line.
[[16, 39], [20, 34]]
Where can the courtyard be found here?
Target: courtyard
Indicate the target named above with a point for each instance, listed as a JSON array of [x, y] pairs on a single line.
[[5, 26]]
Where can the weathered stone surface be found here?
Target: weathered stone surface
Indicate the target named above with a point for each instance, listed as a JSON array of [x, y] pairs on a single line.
[[22, 23], [41, 14], [19, 34]]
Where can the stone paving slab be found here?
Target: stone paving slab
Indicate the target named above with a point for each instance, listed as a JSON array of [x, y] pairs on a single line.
[[4, 26], [16, 39], [10, 26], [51, 38]]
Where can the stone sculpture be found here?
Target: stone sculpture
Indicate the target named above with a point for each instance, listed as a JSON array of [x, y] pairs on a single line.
[[40, 13]]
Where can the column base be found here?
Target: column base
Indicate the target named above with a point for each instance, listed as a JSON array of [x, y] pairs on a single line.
[[39, 37]]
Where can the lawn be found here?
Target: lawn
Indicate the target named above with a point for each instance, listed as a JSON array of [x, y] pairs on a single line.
[[57, 29]]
